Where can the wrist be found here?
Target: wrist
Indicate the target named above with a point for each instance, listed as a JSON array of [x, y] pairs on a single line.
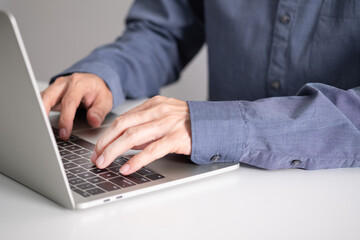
[[217, 131]]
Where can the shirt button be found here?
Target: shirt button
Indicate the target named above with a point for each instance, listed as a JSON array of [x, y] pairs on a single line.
[[295, 163], [215, 158], [275, 85], [285, 19]]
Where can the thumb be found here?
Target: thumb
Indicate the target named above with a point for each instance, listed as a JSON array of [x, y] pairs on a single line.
[[98, 111]]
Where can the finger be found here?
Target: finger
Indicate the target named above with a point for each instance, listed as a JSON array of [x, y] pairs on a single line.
[[52, 95], [135, 116], [147, 104], [152, 152], [69, 104], [57, 108], [142, 146], [88, 100], [121, 124], [101, 106], [134, 136]]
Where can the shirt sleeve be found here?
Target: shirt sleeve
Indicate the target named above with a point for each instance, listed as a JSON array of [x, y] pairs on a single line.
[[161, 37], [318, 128]]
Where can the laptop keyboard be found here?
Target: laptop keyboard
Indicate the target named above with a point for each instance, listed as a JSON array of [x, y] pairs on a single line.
[[86, 179]]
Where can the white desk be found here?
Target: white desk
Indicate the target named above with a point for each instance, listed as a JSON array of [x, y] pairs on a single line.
[[244, 204]]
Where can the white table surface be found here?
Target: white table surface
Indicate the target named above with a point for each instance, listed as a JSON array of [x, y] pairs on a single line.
[[247, 203]]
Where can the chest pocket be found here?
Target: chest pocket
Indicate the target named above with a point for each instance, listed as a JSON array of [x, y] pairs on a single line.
[[335, 53]]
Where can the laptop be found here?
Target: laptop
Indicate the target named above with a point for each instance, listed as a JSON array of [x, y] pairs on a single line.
[[32, 154]]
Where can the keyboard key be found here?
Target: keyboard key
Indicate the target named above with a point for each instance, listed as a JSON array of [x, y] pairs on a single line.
[[145, 171], [115, 169], [76, 181], [69, 165], [113, 164], [86, 175], [64, 153], [72, 137], [70, 175], [122, 182], [108, 186], [72, 148], [65, 144], [71, 157], [84, 194], [80, 161], [77, 170], [85, 186], [87, 156], [84, 144], [95, 191], [121, 160], [88, 165], [155, 176], [98, 170], [95, 180], [108, 175], [82, 152], [137, 178]]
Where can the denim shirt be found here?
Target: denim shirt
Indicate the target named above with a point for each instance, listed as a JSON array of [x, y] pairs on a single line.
[[283, 76]]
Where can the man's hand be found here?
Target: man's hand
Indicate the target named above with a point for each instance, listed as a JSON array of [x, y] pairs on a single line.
[[66, 94], [158, 126]]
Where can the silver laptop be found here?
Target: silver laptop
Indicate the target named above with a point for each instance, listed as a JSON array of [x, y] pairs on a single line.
[[32, 154]]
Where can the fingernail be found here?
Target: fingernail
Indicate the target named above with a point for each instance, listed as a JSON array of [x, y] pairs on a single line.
[[62, 133], [93, 157], [100, 160], [124, 169]]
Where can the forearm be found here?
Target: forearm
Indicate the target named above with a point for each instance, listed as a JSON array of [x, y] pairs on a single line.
[[160, 39], [319, 127]]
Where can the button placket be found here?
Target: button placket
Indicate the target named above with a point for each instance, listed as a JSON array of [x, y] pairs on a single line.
[[278, 63], [285, 18], [275, 85]]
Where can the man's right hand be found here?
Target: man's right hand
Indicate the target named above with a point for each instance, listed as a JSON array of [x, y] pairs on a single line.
[[66, 94]]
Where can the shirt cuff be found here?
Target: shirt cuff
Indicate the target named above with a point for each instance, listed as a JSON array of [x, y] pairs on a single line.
[[103, 71], [216, 131]]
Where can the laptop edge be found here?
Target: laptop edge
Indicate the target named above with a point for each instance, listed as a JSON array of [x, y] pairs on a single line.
[[24, 123]]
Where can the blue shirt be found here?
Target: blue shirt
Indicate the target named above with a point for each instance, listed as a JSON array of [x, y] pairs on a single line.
[[283, 76]]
